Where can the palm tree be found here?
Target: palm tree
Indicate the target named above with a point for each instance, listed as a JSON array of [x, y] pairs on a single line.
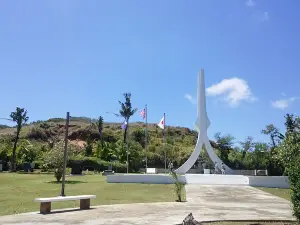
[[99, 124], [20, 117], [126, 112]]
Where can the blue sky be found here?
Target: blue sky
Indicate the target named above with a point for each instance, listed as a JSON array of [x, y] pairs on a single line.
[[80, 56]]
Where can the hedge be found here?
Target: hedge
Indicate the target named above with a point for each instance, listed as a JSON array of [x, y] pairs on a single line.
[[93, 163]]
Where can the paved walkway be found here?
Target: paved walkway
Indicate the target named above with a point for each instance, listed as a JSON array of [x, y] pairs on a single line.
[[206, 202]]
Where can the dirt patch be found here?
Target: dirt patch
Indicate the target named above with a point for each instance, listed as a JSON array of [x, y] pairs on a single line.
[[79, 143]]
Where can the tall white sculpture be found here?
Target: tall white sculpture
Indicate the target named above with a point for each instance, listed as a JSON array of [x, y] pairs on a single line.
[[202, 125]]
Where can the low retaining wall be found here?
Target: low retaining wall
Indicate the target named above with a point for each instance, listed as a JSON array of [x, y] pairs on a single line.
[[208, 179], [143, 178], [216, 179], [272, 181]]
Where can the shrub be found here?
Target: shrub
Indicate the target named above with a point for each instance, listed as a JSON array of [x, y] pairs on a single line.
[[38, 134], [93, 163], [84, 134], [178, 185], [54, 159], [58, 173], [289, 155]]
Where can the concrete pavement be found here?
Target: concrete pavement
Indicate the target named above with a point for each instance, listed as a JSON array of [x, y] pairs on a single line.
[[206, 202]]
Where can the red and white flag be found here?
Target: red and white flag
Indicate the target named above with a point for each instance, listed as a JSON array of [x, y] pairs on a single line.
[[161, 124], [143, 113]]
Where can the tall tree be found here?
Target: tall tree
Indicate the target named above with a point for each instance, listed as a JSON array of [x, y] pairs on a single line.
[[224, 144], [274, 133], [288, 154], [275, 167], [126, 112], [99, 124], [20, 117], [291, 124], [247, 146]]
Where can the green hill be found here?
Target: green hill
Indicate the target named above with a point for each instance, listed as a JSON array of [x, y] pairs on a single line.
[[85, 141]]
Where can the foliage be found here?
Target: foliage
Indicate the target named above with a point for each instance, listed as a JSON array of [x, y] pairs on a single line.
[[110, 145], [274, 133], [25, 152], [225, 145], [247, 146], [292, 124], [275, 167], [89, 148], [54, 159], [93, 163], [20, 117], [3, 126], [178, 186], [289, 154], [38, 134], [44, 126], [138, 135], [126, 111]]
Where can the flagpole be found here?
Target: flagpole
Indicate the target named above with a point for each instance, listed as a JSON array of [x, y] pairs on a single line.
[[164, 140], [146, 137]]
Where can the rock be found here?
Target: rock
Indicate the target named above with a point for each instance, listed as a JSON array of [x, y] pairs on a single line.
[[190, 220]]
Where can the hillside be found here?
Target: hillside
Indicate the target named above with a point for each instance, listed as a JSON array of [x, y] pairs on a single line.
[[85, 140]]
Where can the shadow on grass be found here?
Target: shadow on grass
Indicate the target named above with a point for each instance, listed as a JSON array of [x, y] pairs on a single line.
[[67, 182], [57, 211]]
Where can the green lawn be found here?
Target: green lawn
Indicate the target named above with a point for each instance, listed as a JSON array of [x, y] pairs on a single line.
[[17, 191], [282, 193]]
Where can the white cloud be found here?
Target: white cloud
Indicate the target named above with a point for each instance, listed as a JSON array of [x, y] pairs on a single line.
[[250, 3], [190, 98], [233, 90], [283, 103]]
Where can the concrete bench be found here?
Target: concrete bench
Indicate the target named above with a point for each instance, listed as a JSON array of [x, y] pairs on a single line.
[[45, 206]]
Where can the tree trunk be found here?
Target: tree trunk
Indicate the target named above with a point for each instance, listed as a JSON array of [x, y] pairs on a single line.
[[101, 138], [125, 134], [13, 159]]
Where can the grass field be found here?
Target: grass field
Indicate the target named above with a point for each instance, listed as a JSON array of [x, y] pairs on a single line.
[[282, 193], [17, 191]]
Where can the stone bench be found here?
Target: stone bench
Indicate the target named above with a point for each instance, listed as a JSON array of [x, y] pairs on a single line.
[[45, 206]]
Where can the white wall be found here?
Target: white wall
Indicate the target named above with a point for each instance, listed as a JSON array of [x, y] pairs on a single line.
[[216, 179], [210, 179], [272, 181], [143, 178]]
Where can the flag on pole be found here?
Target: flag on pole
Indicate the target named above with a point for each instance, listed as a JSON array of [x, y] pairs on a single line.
[[124, 125], [161, 124], [143, 113]]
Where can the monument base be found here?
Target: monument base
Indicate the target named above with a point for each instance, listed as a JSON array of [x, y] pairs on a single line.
[[143, 178], [202, 179]]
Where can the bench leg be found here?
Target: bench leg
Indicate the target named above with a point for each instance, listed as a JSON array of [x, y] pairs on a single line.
[[84, 203], [45, 207]]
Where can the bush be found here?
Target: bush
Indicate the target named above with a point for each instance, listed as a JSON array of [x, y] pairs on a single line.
[[38, 134], [289, 156], [84, 134], [58, 173], [93, 163], [178, 186], [54, 159]]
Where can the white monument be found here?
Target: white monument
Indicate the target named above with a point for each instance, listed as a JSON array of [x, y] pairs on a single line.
[[202, 125]]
